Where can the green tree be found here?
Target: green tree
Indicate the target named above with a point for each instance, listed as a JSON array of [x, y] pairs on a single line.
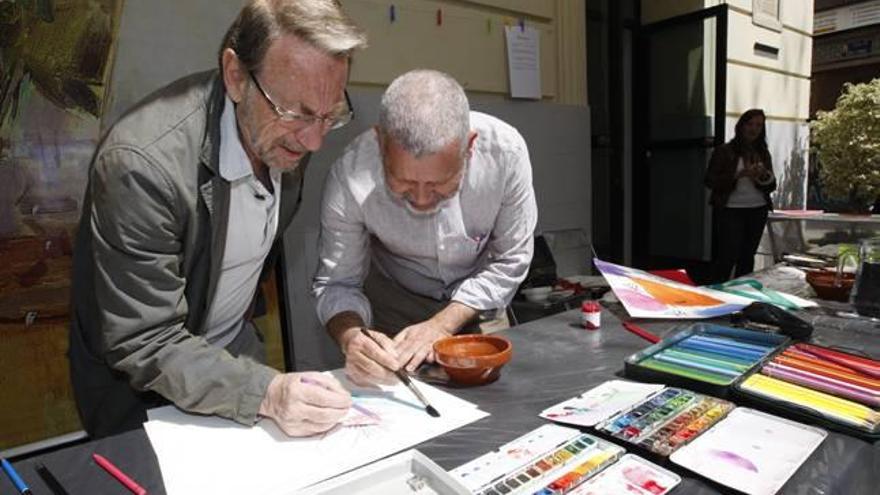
[[847, 142]]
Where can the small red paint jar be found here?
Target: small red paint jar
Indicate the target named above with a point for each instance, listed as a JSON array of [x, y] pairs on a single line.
[[591, 314]]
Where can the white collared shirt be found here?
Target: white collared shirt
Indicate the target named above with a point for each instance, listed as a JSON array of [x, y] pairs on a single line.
[[475, 250], [253, 219]]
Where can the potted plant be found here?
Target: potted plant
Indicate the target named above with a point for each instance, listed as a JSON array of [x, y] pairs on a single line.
[[847, 143]]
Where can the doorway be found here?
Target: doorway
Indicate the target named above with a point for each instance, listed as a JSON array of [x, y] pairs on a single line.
[[679, 116]]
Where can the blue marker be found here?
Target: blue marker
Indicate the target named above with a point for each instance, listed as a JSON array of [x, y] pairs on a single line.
[[15, 478]]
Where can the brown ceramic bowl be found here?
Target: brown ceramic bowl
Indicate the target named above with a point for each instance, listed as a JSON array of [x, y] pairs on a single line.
[[473, 359], [823, 282]]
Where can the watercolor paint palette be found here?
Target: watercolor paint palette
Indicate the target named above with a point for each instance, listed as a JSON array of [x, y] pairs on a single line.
[[813, 383], [704, 357], [549, 460], [750, 451], [667, 420], [632, 475], [653, 417]]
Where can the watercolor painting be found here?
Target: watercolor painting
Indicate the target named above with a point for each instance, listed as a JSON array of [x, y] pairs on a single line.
[[733, 460], [648, 296], [55, 59]]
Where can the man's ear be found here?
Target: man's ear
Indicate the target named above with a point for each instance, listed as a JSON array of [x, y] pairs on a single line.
[[235, 76], [471, 139]]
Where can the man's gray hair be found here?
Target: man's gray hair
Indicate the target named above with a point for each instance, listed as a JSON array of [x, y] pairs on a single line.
[[423, 111], [322, 23]]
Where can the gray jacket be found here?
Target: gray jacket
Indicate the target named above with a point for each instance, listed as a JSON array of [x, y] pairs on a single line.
[[146, 263]]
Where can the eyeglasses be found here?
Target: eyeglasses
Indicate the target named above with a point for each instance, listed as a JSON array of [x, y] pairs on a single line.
[[329, 122]]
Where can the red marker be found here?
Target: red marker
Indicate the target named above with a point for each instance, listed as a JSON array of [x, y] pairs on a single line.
[[119, 475], [641, 332]]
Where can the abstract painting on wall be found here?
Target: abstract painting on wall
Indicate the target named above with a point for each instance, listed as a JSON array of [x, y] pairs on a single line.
[[55, 58]]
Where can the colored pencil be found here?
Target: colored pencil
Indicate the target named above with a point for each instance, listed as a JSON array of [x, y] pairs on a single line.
[[731, 343], [825, 404], [813, 359], [867, 366], [719, 349], [641, 332], [702, 376], [712, 359], [117, 473], [841, 375], [668, 357], [816, 383], [824, 378]]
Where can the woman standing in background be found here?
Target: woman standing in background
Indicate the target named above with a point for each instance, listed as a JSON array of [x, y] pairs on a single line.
[[740, 175]]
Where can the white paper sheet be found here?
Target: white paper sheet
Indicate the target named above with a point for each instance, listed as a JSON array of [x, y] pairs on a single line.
[[524, 61], [206, 454]]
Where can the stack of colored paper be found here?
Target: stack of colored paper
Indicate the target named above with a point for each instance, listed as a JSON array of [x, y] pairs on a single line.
[[837, 385]]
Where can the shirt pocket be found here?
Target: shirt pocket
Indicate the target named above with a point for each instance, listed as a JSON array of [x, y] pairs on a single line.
[[463, 250]]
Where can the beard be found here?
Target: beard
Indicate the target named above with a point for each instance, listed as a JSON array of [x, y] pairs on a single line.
[[401, 200]]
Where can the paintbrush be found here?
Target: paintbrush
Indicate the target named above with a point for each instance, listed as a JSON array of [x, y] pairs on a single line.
[[403, 377]]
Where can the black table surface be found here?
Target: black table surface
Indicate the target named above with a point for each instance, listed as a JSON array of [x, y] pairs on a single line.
[[553, 360]]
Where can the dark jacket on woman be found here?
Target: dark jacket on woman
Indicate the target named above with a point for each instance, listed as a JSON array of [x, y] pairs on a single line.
[[721, 175]]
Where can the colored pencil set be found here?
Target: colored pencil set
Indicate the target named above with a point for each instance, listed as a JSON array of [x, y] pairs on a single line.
[[668, 420], [837, 385], [715, 359]]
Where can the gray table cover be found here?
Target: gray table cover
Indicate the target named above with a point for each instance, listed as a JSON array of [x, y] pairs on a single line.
[[553, 359]]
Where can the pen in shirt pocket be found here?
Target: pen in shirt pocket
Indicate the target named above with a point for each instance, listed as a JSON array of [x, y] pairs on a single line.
[[479, 238]]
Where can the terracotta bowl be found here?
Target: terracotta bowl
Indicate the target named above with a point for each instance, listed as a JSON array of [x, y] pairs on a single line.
[[473, 359], [823, 283]]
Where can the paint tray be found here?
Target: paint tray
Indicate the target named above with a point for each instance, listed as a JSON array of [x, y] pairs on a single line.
[[756, 390], [645, 366], [407, 473], [654, 418], [666, 421], [632, 475], [751, 451], [550, 455]]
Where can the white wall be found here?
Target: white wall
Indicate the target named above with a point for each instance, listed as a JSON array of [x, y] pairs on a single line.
[[789, 147]]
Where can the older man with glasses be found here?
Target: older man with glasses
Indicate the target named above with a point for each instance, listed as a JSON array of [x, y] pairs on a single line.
[[427, 223], [188, 193]]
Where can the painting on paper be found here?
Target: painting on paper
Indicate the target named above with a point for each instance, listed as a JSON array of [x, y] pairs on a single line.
[[648, 296], [55, 58]]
